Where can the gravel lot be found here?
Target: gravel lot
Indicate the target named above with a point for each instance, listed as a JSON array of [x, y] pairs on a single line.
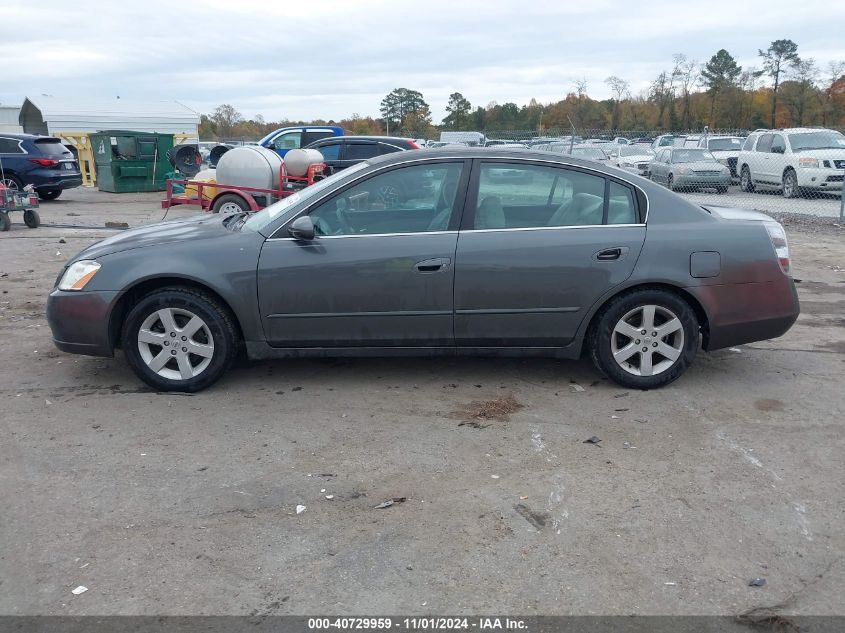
[[174, 504]]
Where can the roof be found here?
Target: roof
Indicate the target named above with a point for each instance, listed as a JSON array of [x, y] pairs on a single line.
[[45, 114]]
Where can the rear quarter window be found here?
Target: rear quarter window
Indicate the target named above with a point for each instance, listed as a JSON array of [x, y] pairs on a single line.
[[52, 147], [10, 146]]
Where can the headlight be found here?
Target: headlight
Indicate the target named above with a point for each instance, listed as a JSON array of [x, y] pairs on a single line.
[[683, 170], [79, 274], [808, 162], [724, 161], [624, 164]]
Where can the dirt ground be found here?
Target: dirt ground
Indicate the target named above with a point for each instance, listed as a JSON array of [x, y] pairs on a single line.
[[175, 504]]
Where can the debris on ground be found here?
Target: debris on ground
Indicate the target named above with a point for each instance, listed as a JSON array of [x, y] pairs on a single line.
[[757, 582], [62, 240], [300, 509], [117, 225], [621, 395], [623, 409], [576, 387], [497, 409], [670, 584], [735, 350], [494, 476], [592, 440], [79, 590], [628, 445], [390, 502], [329, 497]]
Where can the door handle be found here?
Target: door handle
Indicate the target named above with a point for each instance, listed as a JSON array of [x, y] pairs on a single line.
[[435, 265], [609, 254]]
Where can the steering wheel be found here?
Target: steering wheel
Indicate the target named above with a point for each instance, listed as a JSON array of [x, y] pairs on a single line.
[[322, 226], [345, 227]]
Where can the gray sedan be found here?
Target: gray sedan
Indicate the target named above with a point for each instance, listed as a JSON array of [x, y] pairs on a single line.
[[682, 168], [443, 252]]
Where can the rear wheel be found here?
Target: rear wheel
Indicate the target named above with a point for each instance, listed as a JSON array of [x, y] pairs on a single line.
[[49, 194], [789, 184], [13, 183], [179, 339], [230, 203], [31, 218], [645, 339], [745, 182]]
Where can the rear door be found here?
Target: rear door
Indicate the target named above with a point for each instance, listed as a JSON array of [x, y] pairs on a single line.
[[539, 244], [760, 160]]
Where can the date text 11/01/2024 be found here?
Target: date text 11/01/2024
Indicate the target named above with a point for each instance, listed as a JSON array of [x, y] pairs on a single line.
[[417, 624]]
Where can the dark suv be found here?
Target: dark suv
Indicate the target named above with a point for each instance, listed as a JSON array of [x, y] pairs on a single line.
[[340, 152], [40, 161]]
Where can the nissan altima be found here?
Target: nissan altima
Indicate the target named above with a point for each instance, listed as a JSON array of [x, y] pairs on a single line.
[[434, 252]]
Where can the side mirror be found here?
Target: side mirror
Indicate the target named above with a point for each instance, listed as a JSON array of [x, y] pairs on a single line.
[[302, 228]]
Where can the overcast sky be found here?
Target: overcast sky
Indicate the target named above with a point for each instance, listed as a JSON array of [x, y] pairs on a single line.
[[330, 58]]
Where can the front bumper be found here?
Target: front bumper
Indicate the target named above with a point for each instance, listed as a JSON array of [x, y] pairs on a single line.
[[745, 313], [80, 321], [820, 179]]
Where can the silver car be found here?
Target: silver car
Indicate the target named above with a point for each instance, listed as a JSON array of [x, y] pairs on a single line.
[[454, 251], [684, 169]]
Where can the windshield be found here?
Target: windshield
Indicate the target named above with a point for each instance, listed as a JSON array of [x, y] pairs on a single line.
[[633, 150], [692, 156], [259, 221], [725, 144], [817, 140], [588, 152]]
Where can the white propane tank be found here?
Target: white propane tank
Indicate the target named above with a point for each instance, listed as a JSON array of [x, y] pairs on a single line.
[[249, 166], [297, 161]]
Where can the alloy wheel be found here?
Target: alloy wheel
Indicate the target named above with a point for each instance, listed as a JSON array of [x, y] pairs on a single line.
[[175, 343], [647, 340], [10, 184]]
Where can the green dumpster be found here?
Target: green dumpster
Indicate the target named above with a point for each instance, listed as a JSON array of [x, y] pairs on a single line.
[[129, 161]]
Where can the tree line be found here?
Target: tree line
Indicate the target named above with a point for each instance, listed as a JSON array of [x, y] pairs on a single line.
[[786, 90]]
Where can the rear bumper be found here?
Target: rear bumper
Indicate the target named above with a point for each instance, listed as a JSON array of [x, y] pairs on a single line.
[[80, 321], [744, 313]]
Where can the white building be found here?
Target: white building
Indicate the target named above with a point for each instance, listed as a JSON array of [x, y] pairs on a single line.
[[55, 115], [10, 110]]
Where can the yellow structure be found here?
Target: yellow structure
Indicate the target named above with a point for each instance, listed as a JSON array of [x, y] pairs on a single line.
[[84, 154]]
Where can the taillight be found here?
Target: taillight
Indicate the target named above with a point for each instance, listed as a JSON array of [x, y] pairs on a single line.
[[412, 145], [44, 162], [778, 237]]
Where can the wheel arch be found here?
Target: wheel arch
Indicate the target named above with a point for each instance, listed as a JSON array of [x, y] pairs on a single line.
[[253, 205], [700, 313], [146, 286]]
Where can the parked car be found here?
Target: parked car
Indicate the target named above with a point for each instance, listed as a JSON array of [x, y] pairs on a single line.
[[680, 168], [287, 138], [667, 140], [726, 150], [633, 158], [341, 152], [793, 160], [41, 161], [347, 267]]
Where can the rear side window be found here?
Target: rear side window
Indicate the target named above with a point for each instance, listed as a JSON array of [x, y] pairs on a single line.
[[361, 151], [512, 195], [309, 137], [765, 143], [52, 147], [10, 146]]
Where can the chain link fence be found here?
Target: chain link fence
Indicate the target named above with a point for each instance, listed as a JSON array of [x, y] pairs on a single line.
[[789, 171]]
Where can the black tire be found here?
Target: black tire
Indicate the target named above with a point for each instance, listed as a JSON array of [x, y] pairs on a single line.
[[31, 218], [230, 199], [670, 182], [49, 194], [5, 222], [12, 182], [600, 338], [220, 326], [789, 184], [745, 182]]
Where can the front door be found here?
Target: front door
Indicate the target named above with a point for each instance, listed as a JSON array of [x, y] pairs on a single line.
[[538, 246], [379, 273]]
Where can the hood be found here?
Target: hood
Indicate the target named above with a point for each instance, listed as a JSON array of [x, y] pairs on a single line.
[[731, 213], [639, 158], [184, 229]]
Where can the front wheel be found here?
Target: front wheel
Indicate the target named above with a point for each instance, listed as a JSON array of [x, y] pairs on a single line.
[[790, 184], [31, 218], [179, 339], [230, 203], [670, 182], [645, 339]]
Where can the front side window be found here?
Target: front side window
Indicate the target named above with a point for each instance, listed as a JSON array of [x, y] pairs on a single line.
[[524, 196], [415, 199], [288, 140]]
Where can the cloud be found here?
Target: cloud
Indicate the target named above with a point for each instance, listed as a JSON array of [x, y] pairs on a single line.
[[328, 59]]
